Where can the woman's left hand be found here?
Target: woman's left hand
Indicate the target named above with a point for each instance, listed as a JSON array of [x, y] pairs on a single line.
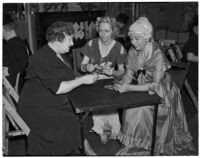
[[122, 87]]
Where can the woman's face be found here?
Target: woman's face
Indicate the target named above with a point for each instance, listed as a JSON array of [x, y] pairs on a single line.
[[105, 32], [66, 44], [138, 42]]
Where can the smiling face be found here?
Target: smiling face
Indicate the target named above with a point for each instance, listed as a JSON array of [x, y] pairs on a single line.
[[138, 42], [65, 45], [105, 32]]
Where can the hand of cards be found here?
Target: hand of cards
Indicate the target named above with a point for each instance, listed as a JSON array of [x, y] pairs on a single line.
[[104, 68], [113, 85]]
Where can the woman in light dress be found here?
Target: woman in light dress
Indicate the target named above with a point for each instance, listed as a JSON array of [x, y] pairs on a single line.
[[147, 64]]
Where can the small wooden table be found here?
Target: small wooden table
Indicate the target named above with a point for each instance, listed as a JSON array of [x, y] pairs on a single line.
[[95, 97]]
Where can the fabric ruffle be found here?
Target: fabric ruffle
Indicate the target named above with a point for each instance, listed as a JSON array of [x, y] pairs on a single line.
[[182, 141]]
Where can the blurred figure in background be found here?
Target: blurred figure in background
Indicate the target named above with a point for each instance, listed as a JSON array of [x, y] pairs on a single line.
[[121, 23], [190, 52], [15, 56]]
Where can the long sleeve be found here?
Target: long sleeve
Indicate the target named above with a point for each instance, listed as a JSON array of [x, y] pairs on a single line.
[[15, 56]]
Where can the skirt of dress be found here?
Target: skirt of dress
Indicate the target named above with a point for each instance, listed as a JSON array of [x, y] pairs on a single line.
[[172, 134], [53, 131]]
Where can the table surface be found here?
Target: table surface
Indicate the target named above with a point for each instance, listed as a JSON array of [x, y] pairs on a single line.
[[95, 97]]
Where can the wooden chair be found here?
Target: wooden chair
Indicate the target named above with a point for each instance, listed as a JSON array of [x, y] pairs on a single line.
[[77, 58], [16, 88], [10, 116], [179, 72]]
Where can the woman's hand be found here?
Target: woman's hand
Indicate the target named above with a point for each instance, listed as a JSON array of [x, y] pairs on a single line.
[[108, 71], [89, 79], [191, 57], [122, 87], [90, 67]]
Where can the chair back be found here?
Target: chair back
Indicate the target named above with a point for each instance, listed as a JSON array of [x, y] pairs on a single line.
[[179, 72], [16, 88], [77, 58]]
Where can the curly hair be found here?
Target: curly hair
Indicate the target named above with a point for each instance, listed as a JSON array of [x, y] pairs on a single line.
[[57, 31], [111, 21]]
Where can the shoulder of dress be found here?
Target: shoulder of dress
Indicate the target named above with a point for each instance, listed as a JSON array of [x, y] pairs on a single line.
[[122, 50], [92, 41]]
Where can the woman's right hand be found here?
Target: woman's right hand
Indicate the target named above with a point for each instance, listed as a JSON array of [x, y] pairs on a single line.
[[89, 79], [90, 67]]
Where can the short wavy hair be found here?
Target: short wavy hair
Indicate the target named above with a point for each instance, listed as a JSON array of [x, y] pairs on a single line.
[[57, 31], [111, 21]]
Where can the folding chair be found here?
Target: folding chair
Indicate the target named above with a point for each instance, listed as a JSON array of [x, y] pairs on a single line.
[[10, 116], [77, 58], [179, 72], [16, 88]]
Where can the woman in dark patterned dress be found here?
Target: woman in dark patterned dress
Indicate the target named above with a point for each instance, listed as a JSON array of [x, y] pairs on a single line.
[[44, 103]]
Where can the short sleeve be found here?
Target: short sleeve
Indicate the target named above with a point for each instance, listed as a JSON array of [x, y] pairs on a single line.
[[122, 56], [87, 49]]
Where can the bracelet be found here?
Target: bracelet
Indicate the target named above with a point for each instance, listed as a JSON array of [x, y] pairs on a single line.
[[84, 67]]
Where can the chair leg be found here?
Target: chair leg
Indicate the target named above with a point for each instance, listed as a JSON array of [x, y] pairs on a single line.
[[5, 130], [191, 93]]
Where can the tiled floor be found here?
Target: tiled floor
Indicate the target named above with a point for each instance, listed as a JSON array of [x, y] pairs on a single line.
[[17, 146]]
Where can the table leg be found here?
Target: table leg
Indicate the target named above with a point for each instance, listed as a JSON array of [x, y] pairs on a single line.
[[82, 134], [154, 128], [81, 121]]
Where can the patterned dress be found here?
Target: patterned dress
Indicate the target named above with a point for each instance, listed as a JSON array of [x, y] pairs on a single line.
[[172, 133], [54, 126]]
